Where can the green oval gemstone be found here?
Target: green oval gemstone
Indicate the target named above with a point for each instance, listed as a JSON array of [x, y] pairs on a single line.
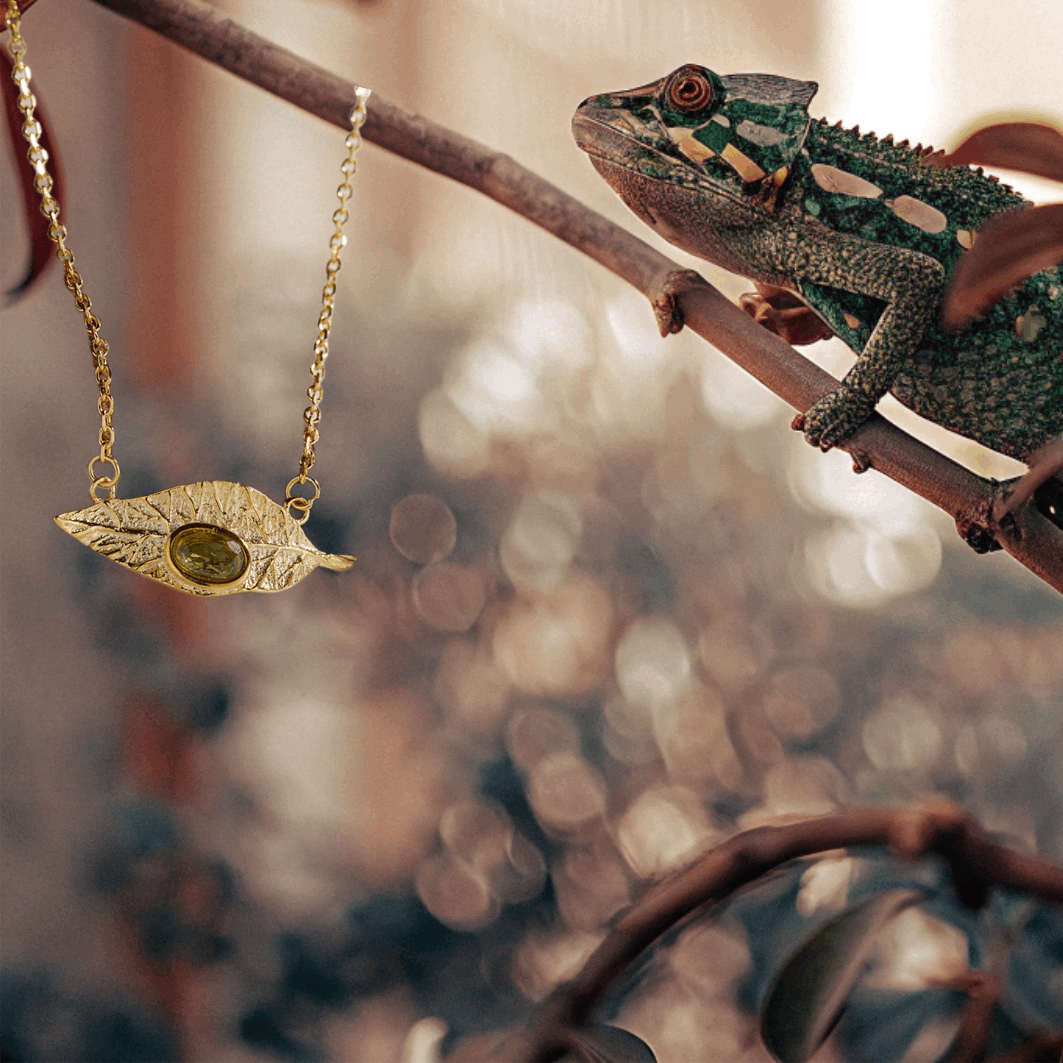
[[208, 555]]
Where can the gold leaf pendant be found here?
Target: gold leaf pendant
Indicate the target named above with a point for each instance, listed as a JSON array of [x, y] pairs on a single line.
[[208, 538]]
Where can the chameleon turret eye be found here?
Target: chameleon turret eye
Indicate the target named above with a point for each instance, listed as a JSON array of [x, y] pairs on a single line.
[[690, 91]]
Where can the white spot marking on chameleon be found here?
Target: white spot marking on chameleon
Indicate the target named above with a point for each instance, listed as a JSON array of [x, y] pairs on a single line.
[[916, 212], [1028, 326], [693, 149], [722, 119], [965, 238], [760, 134], [831, 179]]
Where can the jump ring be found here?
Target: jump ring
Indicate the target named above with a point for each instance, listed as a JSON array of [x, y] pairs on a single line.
[[104, 481], [302, 478]]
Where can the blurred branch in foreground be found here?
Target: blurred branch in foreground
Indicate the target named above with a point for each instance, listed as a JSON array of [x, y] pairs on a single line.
[[968, 498], [976, 865]]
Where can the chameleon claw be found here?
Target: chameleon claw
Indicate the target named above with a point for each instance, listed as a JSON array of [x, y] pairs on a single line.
[[833, 419], [665, 295], [780, 311], [861, 460]]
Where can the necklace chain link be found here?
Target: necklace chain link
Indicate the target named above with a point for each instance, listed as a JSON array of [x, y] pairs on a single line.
[[298, 505], [42, 181]]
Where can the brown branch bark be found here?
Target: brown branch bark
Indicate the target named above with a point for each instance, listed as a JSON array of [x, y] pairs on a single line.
[[194, 25]]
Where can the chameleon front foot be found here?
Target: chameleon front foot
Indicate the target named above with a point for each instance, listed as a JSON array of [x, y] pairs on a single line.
[[833, 419], [664, 296]]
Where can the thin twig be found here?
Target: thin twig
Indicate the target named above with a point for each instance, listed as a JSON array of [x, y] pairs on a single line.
[[194, 25]]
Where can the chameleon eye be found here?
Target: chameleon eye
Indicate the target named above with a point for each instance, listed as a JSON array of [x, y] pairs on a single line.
[[690, 91]]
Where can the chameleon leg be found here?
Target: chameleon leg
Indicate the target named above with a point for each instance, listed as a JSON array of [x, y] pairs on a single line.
[[908, 282]]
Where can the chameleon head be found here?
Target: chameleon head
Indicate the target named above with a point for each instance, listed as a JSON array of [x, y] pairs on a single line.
[[732, 136]]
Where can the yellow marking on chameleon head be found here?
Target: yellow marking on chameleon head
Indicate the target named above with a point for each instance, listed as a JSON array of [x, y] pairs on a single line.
[[966, 238], [831, 179], [747, 169], [692, 148], [778, 179], [852, 322], [916, 212]]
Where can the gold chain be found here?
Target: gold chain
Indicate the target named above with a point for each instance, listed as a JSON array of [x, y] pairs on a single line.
[[38, 157], [299, 505]]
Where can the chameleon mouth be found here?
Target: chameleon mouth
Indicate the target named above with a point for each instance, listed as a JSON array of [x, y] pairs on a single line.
[[614, 135], [608, 136], [601, 139]]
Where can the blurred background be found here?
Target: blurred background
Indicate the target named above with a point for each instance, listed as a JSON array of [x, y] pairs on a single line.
[[608, 608]]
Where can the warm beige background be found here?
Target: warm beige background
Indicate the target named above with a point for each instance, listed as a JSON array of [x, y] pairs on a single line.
[[477, 358]]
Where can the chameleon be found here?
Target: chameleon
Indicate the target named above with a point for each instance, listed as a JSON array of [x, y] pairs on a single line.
[[864, 231]]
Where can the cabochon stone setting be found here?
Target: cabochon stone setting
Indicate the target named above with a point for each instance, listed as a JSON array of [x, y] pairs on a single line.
[[206, 554]]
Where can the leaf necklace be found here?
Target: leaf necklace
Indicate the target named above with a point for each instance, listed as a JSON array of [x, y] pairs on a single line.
[[212, 537]]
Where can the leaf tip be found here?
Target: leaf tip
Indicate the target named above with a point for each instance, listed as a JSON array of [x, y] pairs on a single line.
[[337, 562]]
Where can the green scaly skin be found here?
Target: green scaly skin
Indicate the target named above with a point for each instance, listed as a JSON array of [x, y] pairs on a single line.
[[866, 232]]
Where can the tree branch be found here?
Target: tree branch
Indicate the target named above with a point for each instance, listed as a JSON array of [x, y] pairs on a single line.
[[940, 828], [194, 25]]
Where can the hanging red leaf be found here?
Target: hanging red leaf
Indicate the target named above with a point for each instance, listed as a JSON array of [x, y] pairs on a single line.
[[1010, 248], [1014, 246], [1026, 146]]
